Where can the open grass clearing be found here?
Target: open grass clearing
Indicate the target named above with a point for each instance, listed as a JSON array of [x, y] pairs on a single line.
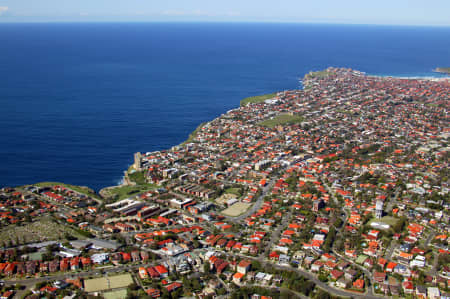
[[258, 99], [120, 294], [319, 74], [138, 177], [282, 119], [392, 221], [122, 192], [235, 191]]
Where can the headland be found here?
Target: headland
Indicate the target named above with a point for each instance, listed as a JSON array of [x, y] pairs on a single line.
[[443, 70]]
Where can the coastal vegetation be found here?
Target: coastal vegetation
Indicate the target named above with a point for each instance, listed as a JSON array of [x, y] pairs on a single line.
[[194, 133], [137, 184], [138, 177], [319, 74], [257, 99], [282, 119]]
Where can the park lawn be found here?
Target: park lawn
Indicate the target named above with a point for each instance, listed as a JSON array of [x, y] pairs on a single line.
[[127, 191], [138, 177], [392, 221], [235, 191], [319, 74], [236, 209], [281, 119], [119, 294], [258, 99]]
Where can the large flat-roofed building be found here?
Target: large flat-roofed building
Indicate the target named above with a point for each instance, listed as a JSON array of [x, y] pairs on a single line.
[[180, 204]]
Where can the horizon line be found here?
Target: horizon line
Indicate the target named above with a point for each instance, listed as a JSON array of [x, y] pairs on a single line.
[[213, 22]]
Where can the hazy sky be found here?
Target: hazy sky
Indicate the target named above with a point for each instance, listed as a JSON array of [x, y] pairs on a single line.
[[404, 12]]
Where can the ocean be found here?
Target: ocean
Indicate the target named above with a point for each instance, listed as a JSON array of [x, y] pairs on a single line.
[[77, 100]]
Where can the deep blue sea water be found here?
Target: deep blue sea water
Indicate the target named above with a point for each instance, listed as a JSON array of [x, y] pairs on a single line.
[[77, 100]]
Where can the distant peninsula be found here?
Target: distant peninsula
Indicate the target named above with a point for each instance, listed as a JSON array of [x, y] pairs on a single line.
[[444, 70]]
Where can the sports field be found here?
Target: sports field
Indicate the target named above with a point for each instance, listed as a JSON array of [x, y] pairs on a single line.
[[107, 283], [120, 294]]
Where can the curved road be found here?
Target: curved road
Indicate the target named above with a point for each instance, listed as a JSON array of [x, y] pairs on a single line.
[[310, 276]]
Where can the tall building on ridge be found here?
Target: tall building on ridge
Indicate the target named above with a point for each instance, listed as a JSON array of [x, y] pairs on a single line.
[[379, 209]]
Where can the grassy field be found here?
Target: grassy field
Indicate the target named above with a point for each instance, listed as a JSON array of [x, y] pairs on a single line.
[[125, 191], [282, 119], [319, 74], [236, 209], [39, 231], [235, 191], [121, 192], [258, 99], [83, 190], [386, 219], [138, 177], [115, 294], [389, 220]]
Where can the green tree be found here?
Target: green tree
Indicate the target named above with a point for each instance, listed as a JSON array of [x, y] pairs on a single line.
[[322, 295], [323, 277], [206, 267], [40, 285], [256, 265], [133, 287], [26, 294], [196, 284], [399, 226]]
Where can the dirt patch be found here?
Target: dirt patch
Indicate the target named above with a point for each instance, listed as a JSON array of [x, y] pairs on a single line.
[[236, 209]]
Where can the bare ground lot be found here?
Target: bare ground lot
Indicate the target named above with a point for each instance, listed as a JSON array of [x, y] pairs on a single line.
[[236, 209]]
